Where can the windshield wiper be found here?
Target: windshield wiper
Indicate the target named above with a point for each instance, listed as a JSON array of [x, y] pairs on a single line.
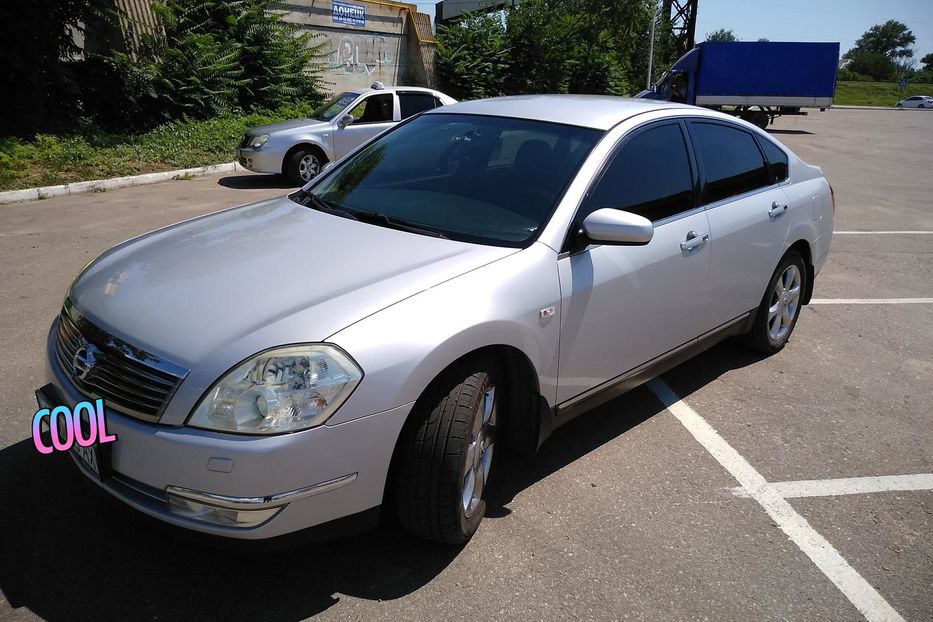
[[306, 197], [398, 223]]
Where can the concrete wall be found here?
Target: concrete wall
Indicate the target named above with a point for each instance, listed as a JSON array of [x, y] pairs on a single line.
[[395, 46]]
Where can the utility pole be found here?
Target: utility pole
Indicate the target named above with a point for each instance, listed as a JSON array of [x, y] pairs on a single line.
[[654, 23]]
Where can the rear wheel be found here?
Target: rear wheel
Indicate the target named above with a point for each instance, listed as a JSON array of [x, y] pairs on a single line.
[[445, 455], [780, 307], [919, 105]]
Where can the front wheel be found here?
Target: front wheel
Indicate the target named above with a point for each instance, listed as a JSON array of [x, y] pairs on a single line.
[[780, 307], [302, 166], [445, 456]]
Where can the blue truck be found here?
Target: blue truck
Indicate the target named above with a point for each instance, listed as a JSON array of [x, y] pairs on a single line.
[[756, 81]]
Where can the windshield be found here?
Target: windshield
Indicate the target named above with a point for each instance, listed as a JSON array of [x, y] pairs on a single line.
[[491, 180], [333, 107]]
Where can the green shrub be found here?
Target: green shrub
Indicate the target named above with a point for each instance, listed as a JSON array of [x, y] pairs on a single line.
[[472, 57], [848, 75]]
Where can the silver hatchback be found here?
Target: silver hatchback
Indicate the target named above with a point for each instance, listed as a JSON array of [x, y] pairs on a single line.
[[473, 278], [300, 148]]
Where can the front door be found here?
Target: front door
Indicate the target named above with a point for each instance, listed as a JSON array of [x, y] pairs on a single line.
[[372, 115], [623, 306]]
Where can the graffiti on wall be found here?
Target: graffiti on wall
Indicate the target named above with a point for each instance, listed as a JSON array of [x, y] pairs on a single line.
[[362, 54]]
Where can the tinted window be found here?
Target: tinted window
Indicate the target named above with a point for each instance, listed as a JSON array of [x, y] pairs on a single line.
[[374, 109], [732, 162], [650, 176], [413, 103], [777, 160], [491, 180]]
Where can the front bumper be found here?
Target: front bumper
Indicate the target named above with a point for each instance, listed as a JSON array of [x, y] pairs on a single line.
[[262, 160], [315, 476]]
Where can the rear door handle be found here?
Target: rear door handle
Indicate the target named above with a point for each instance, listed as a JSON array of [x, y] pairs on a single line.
[[694, 240], [777, 209]]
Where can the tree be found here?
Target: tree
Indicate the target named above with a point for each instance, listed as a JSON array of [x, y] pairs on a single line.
[[39, 44], [927, 62], [472, 59], [764, 40], [721, 35], [892, 38]]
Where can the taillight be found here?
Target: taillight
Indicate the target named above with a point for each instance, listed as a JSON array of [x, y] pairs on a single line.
[[833, 196]]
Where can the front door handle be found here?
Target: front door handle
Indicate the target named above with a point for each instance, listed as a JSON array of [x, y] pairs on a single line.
[[694, 240], [777, 209]]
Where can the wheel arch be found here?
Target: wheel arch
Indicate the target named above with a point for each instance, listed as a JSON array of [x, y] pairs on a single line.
[[803, 247], [305, 144]]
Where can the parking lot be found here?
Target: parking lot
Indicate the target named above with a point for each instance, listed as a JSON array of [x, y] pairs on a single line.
[[735, 487]]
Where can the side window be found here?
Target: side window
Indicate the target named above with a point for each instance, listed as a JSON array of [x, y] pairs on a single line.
[[413, 103], [374, 109], [732, 162], [777, 160], [649, 176]]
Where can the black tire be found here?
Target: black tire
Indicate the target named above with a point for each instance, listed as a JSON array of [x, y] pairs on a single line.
[[303, 164], [762, 337], [920, 106], [899, 106], [431, 467]]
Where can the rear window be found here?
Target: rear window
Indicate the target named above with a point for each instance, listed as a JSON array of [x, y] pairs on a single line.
[[777, 160], [732, 163], [411, 104]]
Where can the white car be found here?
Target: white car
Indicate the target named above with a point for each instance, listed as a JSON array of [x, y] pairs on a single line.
[[300, 148], [478, 275], [917, 101]]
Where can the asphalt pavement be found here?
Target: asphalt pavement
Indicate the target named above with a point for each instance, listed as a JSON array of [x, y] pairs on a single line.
[[633, 511]]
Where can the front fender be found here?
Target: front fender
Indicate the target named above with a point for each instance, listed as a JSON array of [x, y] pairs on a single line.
[[402, 348]]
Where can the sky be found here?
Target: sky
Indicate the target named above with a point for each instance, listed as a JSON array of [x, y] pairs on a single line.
[[807, 20]]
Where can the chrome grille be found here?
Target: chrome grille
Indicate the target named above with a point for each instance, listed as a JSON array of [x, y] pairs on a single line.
[[100, 365]]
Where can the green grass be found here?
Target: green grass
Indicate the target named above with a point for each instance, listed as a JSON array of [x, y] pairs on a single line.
[[876, 93], [50, 160]]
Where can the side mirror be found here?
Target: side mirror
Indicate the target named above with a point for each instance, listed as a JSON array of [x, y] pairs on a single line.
[[345, 120], [612, 226]]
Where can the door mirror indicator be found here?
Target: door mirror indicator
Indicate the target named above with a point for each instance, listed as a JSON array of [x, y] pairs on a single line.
[[612, 226]]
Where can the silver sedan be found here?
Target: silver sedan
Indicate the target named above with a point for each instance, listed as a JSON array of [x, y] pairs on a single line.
[[300, 148], [471, 279]]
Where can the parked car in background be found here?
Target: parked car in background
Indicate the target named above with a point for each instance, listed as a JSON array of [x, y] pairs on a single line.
[[917, 101], [475, 276], [299, 148]]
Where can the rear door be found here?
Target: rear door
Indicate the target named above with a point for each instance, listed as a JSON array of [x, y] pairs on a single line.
[[748, 217], [622, 306]]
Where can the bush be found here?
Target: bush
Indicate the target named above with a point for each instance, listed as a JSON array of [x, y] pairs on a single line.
[[848, 75], [874, 64]]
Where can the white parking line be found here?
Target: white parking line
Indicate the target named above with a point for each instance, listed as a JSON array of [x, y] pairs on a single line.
[[859, 592], [847, 486], [871, 301], [882, 232]]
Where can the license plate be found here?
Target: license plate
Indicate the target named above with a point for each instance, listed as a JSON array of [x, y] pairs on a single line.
[[88, 457]]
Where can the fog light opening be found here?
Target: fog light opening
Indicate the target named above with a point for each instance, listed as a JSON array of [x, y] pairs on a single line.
[[216, 515]]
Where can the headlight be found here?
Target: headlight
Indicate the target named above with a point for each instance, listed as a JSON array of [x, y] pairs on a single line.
[[258, 141], [282, 390]]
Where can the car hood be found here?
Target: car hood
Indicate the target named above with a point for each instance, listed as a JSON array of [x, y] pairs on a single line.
[[290, 124], [214, 290]]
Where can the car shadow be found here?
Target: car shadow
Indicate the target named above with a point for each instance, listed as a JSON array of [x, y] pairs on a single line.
[[70, 552], [256, 182], [790, 132]]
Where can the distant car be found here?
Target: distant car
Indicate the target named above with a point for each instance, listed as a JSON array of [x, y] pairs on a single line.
[[299, 148], [917, 101], [477, 275]]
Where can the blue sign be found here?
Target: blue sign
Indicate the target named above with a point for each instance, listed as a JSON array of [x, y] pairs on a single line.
[[351, 14], [903, 83]]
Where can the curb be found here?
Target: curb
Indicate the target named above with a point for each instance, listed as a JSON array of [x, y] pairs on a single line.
[[83, 187], [834, 106]]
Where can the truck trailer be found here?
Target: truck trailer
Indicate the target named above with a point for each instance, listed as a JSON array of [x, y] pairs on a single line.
[[754, 80]]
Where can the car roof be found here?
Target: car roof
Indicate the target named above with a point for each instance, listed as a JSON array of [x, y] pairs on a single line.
[[595, 111], [389, 89]]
